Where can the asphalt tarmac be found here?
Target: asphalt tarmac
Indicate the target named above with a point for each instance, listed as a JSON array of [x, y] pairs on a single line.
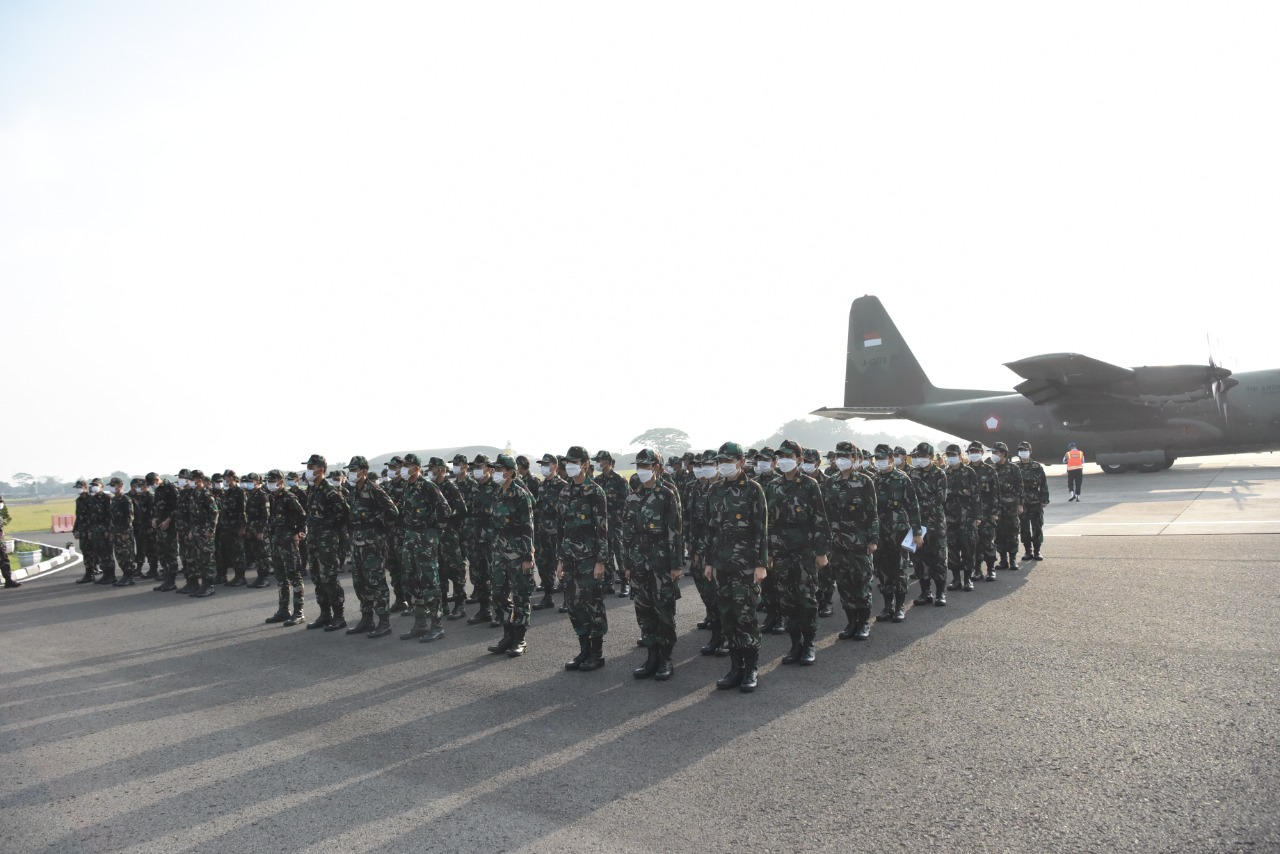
[[1120, 695]]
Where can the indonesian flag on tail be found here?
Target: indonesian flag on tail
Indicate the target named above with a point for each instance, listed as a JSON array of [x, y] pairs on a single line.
[[871, 339]]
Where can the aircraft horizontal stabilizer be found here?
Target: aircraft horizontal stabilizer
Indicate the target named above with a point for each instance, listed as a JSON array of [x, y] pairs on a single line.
[[871, 413]]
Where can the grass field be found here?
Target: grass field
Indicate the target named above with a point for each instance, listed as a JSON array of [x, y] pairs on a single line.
[[37, 516]]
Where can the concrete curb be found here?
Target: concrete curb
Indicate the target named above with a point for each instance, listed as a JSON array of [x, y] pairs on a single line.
[[64, 559]]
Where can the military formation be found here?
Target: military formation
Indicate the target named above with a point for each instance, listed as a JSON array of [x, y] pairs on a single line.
[[769, 536]]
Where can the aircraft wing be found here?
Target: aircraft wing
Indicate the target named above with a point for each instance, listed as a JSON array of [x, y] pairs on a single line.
[[872, 413], [1054, 376]]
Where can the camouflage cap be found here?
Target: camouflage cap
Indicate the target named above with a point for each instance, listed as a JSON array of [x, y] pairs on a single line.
[[790, 447], [811, 455], [480, 460], [358, 463], [316, 460], [293, 475], [646, 457], [924, 449], [185, 473], [81, 483], [229, 473], [459, 459], [729, 451], [577, 453], [688, 456], [115, 481], [883, 451], [602, 456], [899, 451], [504, 461], [952, 449], [217, 477], [412, 460], [1001, 447], [843, 448], [708, 456], [1024, 446], [976, 446], [751, 453], [522, 461], [831, 455], [196, 474], [765, 453], [150, 476], [137, 481], [276, 474], [253, 476], [395, 462], [434, 462], [549, 459]]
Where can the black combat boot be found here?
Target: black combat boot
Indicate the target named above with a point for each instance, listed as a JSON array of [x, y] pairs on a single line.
[[87, 578], [650, 665], [545, 602], [484, 615], [968, 581], [220, 578], [499, 618], [261, 581], [991, 571], [9, 583], [733, 678], [956, 583], [321, 621], [665, 668], [190, 587], [899, 608], [383, 628], [584, 652], [508, 640], [1026, 551], [364, 626], [1013, 563], [596, 659], [887, 613], [126, 580], [706, 622], [204, 589], [164, 586], [237, 578], [824, 607], [862, 628], [297, 618], [941, 599], [808, 655], [336, 621], [419, 628], [398, 606], [793, 654], [1036, 554], [848, 631], [434, 633], [279, 616], [715, 646], [750, 657], [771, 619], [518, 647], [624, 591], [107, 578], [925, 596], [458, 611]]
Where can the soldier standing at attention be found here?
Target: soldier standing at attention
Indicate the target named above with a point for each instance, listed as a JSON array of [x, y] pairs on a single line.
[[964, 515], [453, 568], [327, 518], [144, 505], [1074, 461], [257, 535], [653, 537], [373, 515], [736, 553], [202, 522], [1009, 501], [182, 521], [100, 531], [899, 513], [394, 487], [7, 573], [695, 535], [931, 555], [527, 479], [984, 549], [423, 513], [480, 549], [512, 553], [615, 496], [583, 550], [80, 530], [298, 487], [799, 544], [467, 489], [1035, 494], [231, 525], [164, 523], [811, 466], [770, 595], [288, 527], [850, 499], [121, 532], [544, 527]]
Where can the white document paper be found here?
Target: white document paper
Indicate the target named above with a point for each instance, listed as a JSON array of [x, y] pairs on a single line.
[[909, 541]]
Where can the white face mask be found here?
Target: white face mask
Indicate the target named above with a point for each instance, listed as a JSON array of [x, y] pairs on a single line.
[[94, 490], [572, 470], [645, 475], [762, 466], [545, 470], [808, 468], [897, 461], [498, 477], [456, 469], [919, 462], [272, 486], [727, 469], [994, 459], [182, 482], [217, 485], [1024, 455], [975, 458], [881, 464], [786, 464], [352, 477], [844, 463], [953, 461], [404, 472]]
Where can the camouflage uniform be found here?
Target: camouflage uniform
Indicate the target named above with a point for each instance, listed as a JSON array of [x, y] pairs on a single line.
[[544, 537], [182, 526], [798, 535], [144, 534], [373, 515], [257, 534], [202, 522], [512, 550], [1035, 494], [984, 549], [652, 533], [288, 519], [166, 510], [395, 491], [930, 558], [424, 512], [1009, 499], [696, 531], [100, 533], [850, 499], [479, 530], [328, 519], [616, 491], [735, 544], [80, 530], [583, 525], [964, 512], [770, 593], [812, 466], [899, 512], [231, 529], [453, 567], [121, 534]]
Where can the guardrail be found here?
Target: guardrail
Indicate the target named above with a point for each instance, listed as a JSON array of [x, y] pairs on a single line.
[[52, 559]]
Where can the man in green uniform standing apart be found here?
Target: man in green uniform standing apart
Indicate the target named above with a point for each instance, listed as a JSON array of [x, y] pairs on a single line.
[[121, 532], [583, 552], [288, 526], [202, 526]]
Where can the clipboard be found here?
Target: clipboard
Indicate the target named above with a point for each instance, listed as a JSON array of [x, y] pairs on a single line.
[[909, 541]]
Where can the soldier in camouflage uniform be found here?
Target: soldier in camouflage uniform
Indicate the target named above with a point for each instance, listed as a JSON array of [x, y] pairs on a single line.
[[799, 545], [80, 530], [1035, 494], [182, 522], [257, 533], [1009, 500], [850, 499], [696, 533], [453, 567], [394, 487], [144, 504], [811, 465], [526, 477], [735, 552], [512, 553], [231, 529], [899, 512], [930, 558], [544, 527], [5, 571], [480, 546], [984, 549], [328, 517], [202, 522], [373, 516], [652, 534], [770, 594], [583, 552], [616, 491], [964, 515], [424, 512], [165, 524], [121, 532], [832, 470], [297, 486], [466, 485], [100, 531], [288, 528]]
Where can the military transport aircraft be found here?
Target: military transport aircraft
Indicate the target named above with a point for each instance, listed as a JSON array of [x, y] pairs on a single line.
[[1122, 418]]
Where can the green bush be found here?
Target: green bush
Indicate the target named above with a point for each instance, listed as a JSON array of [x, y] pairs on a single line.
[[23, 546]]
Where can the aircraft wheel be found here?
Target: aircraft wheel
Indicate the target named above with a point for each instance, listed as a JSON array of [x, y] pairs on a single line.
[[1168, 463], [1113, 468], [1148, 468]]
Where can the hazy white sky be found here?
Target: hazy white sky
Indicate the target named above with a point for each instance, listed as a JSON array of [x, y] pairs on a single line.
[[236, 233]]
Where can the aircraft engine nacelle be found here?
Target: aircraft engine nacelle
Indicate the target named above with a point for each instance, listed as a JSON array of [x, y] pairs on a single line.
[[1178, 383]]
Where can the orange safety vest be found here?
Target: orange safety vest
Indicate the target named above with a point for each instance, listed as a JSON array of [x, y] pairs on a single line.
[[1075, 460]]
